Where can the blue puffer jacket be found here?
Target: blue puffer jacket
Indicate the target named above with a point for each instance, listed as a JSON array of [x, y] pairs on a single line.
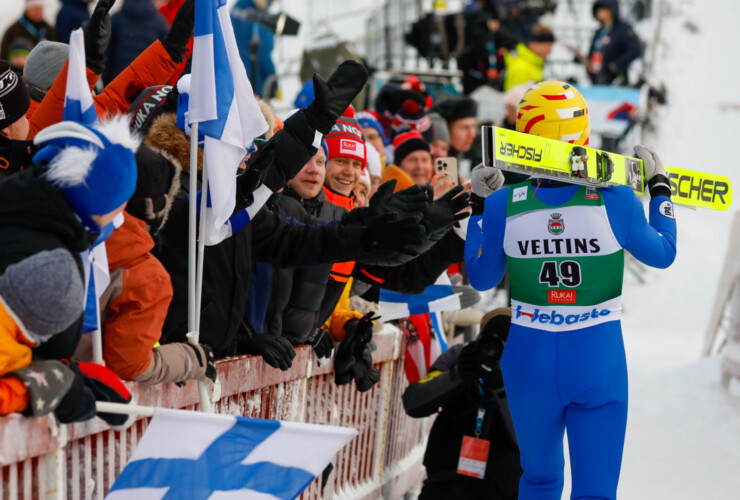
[[72, 15], [136, 26], [620, 46], [243, 31]]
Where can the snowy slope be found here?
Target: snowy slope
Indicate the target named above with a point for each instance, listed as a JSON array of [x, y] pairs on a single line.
[[683, 435]]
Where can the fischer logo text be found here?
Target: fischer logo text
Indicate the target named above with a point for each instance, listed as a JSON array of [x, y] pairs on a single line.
[[521, 152]]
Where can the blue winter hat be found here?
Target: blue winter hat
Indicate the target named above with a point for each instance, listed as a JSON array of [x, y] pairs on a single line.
[[94, 168], [305, 96], [367, 119]]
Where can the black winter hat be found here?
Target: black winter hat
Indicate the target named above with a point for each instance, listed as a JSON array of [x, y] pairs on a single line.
[[14, 98], [149, 103], [157, 183], [456, 109]]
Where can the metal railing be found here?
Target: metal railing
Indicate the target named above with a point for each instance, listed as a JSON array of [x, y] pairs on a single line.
[[40, 459]]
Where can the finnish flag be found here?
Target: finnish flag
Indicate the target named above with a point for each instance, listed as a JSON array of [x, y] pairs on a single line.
[[200, 456], [435, 298], [222, 102], [78, 101], [79, 107]]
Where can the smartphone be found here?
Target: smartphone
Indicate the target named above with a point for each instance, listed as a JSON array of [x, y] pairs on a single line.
[[446, 169]]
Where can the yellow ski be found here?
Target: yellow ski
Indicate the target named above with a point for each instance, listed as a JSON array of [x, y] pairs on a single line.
[[533, 155]]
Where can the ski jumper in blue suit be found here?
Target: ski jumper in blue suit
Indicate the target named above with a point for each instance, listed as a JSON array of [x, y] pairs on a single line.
[[564, 364]]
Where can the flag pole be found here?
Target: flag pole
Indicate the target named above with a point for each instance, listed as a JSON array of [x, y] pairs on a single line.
[[192, 218], [193, 282], [201, 244], [205, 402], [97, 338], [124, 409]]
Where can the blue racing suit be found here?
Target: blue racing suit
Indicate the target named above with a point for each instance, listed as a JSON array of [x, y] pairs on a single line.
[[566, 371]]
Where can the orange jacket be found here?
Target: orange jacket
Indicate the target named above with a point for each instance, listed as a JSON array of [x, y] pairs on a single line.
[[32, 108], [341, 271], [153, 67], [134, 317], [15, 353]]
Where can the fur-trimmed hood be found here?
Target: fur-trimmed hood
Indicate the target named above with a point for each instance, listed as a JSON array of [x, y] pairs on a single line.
[[165, 135]]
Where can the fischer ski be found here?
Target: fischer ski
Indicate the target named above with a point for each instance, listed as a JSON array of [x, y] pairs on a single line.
[[542, 157]]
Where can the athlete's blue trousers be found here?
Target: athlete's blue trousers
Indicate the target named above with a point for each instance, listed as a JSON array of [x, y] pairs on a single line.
[[574, 381]]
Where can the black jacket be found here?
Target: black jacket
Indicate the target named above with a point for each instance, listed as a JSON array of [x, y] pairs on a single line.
[[619, 46], [303, 299], [228, 266], [458, 403], [14, 156], [296, 295], [35, 217]]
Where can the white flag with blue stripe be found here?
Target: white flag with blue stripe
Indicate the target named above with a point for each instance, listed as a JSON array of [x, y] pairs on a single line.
[[78, 101], [201, 456], [79, 107], [222, 102], [435, 298]]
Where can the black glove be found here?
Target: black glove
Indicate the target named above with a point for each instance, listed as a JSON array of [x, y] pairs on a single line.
[[180, 32], [260, 170], [407, 202], [204, 355], [78, 404], [363, 371], [445, 211], [358, 333], [276, 351], [389, 233], [106, 387], [97, 36], [332, 97], [323, 345], [467, 362], [488, 355]]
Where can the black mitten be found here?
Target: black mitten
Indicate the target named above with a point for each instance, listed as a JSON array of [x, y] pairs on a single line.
[[97, 36], [364, 373], [77, 405], [180, 32], [332, 97]]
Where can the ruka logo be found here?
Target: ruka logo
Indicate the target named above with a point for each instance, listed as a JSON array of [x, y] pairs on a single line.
[[556, 225]]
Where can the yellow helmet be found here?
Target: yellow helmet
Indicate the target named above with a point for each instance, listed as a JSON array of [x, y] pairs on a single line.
[[555, 110]]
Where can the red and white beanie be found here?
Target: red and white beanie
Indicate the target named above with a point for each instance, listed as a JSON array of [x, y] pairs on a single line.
[[406, 143], [345, 139]]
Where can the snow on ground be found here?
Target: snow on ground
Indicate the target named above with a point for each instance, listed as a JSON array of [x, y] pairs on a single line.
[[683, 435]]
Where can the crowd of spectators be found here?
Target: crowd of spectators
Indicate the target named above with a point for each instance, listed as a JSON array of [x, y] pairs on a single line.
[[359, 210]]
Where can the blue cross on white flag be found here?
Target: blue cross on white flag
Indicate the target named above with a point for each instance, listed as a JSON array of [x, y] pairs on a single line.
[[200, 456], [78, 101], [222, 102], [79, 107], [435, 298]]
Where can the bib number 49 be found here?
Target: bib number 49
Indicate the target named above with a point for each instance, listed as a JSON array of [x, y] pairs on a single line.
[[568, 273]]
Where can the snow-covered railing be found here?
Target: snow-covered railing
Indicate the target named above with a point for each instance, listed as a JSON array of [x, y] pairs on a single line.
[[41, 459]]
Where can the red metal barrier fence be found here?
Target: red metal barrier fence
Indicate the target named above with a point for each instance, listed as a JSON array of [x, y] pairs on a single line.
[[41, 459]]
